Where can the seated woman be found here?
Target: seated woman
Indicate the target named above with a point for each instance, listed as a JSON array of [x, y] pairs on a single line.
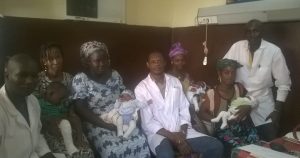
[[239, 132], [51, 58], [95, 92]]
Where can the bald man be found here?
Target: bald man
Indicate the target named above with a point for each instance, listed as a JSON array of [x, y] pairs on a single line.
[[20, 112], [262, 63]]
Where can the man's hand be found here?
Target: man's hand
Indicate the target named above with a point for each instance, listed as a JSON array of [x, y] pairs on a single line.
[[48, 155], [242, 112], [275, 115], [180, 143], [177, 138], [184, 148]]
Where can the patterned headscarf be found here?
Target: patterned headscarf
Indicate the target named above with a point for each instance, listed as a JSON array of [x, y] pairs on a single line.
[[90, 47], [223, 63], [176, 49]]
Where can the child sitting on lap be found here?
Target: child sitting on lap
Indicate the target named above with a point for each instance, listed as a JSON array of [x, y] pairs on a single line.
[[57, 119]]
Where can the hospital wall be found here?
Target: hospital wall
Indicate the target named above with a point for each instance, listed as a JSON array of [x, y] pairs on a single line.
[[130, 44], [286, 35]]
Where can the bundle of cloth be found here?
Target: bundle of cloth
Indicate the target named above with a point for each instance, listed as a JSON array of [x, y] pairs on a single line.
[[230, 114], [195, 93], [124, 114]]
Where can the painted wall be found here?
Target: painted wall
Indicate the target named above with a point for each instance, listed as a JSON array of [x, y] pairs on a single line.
[[185, 12], [108, 10], [168, 13], [48, 9], [149, 13]]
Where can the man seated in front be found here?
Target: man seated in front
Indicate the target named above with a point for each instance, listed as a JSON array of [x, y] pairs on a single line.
[[20, 124], [166, 118]]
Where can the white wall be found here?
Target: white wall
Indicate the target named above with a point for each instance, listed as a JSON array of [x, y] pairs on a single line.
[[108, 10], [149, 12], [167, 13], [50, 9], [185, 11]]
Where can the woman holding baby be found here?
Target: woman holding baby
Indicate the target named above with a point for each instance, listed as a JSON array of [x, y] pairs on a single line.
[[239, 131], [57, 115], [95, 92]]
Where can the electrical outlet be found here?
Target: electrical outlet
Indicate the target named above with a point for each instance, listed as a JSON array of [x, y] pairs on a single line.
[[207, 20]]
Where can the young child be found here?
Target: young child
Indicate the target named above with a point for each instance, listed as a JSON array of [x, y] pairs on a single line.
[[58, 119]]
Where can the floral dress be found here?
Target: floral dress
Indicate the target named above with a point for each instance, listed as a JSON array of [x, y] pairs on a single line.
[[56, 144], [101, 99]]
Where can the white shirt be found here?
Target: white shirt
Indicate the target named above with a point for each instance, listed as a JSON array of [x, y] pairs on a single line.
[[17, 138], [169, 113], [268, 63]]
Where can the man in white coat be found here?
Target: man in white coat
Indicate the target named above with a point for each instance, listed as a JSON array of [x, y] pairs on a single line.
[[262, 63], [166, 118], [20, 112]]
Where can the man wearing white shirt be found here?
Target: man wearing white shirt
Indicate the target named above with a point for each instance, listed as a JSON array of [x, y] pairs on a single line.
[[262, 63], [20, 112], [166, 117]]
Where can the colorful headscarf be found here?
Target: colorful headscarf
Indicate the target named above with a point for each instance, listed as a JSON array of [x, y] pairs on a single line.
[[176, 49], [90, 47], [223, 63]]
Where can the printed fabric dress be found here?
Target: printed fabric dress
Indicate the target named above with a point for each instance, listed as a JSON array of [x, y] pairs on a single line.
[[101, 99], [236, 134], [56, 144]]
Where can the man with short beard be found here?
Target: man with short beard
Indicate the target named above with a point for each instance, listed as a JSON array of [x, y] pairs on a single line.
[[262, 62]]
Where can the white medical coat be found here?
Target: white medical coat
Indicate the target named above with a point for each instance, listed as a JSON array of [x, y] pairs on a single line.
[[268, 63], [17, 138], [169, 113]]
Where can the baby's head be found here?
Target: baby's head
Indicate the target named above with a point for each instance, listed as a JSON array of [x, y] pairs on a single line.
[[56, 92], [126, 95]]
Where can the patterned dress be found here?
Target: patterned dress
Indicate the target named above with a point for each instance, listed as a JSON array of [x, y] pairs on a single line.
[[44, 81], [56, 144], [101, 99], [236, 134]]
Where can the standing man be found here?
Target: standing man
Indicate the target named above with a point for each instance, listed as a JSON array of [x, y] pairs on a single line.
[[166, 117], [20, 112], [262, 62]]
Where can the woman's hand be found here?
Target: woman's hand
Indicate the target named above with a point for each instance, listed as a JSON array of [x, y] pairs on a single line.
[[48, 155], [242, 112], [110, 127]]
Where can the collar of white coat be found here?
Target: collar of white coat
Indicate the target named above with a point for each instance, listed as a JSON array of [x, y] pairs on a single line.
[[8, 104], [167, 77], [263, 44]]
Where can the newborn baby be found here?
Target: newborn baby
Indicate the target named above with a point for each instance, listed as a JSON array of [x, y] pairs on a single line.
[[124, 115], [230, 114], [195, 91]]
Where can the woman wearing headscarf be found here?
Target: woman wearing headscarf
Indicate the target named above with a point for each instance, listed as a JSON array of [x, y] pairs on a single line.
[[238, 132], [51, 59], [95, 91], [177, 55]]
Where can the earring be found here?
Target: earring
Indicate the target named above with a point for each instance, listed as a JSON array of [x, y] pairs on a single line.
[[219, 78]]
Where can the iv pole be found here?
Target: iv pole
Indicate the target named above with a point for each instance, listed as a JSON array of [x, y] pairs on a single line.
[[205, 50]]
